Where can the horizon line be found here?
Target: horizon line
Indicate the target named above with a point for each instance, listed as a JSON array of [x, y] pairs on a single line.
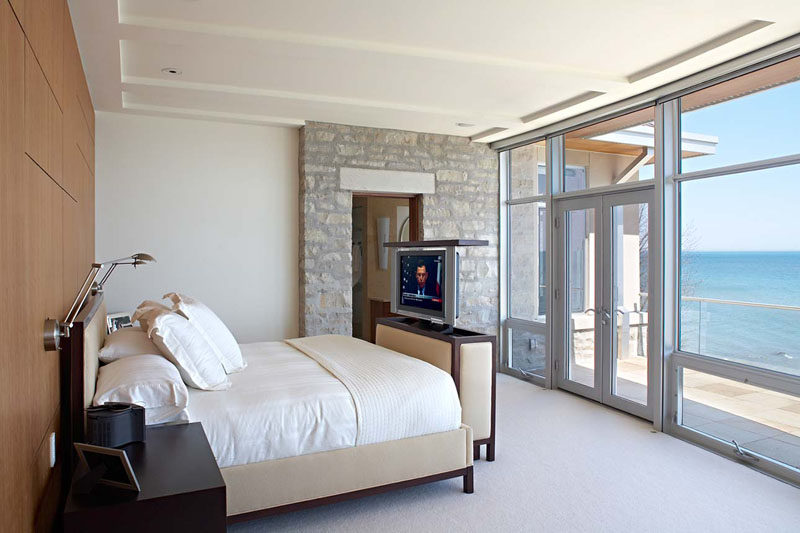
[[744, 251]]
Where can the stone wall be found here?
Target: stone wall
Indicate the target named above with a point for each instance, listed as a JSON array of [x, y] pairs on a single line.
[[465, 205]]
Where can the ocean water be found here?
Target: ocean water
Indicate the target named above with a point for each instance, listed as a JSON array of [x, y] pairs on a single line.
[[768, 338]]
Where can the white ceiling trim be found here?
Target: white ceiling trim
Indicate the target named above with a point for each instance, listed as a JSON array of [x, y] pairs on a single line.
[[549, 110], [366, 46], [205, 114], [289, 95], [711, 44]]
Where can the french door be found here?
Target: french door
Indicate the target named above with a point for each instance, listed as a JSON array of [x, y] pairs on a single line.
[[603, 300]]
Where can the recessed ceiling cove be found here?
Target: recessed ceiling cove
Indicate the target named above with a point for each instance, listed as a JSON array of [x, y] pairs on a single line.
[[499, 67]]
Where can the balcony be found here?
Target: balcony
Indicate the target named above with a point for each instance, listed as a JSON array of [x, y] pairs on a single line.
[[758, 420]]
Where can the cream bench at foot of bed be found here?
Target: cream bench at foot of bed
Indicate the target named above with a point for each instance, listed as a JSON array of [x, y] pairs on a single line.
[[294, 483]]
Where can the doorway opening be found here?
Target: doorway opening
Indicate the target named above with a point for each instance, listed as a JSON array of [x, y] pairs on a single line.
[[378, 218]]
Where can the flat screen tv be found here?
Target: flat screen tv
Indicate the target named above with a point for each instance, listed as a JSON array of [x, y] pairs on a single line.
[[425, 284]]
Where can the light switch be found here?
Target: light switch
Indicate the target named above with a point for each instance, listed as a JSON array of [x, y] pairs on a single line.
[[52, 449]]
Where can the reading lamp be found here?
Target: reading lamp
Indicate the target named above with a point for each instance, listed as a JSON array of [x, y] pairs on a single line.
[[55, 330]]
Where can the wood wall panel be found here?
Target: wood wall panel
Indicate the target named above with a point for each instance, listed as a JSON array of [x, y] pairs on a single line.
[[86, 242], [70, 110], [15, 505], [70, 226], [71, 173], [85, 99], [44, 27], [43, 119], [83, 138], [19, 8], [46, 241], [44, 258]]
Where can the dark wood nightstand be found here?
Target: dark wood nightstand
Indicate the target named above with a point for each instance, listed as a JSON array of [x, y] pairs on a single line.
[[182, 488]]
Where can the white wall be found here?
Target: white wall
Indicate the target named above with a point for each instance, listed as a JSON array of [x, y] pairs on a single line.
[[215, 203]]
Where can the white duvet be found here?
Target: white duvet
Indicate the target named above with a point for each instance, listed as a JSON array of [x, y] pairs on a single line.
[[395, 396], [286, 404]]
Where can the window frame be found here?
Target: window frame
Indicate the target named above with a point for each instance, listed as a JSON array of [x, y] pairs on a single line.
[[665, 304], [507, 321], [675, 359]]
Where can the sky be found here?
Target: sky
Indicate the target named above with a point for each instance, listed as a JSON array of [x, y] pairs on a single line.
[[756, 211]]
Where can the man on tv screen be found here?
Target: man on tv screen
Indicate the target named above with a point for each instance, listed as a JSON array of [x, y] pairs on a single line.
[[426, 285], [421, 287]]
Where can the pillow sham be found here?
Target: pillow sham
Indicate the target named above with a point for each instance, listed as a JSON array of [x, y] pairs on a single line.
[[214, 329], [148, 380], [198, 360], [126, 342]]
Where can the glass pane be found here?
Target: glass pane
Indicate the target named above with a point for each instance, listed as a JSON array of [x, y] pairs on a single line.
[[615, 151], [758, 419], [748, 118], [527, 352], [528, 293], [580, 295], [740, 268], [629, 292], [528, 171]]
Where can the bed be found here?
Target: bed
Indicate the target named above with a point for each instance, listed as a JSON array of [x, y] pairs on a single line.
[[304, 424]]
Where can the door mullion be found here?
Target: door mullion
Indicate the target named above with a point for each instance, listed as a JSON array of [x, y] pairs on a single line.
[[599, 299], [604, 276]]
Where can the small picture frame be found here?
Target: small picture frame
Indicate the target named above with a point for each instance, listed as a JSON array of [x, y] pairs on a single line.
[[109, 466], [115, 321]]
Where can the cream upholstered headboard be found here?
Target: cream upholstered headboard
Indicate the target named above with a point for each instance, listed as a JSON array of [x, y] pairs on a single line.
[[94, 336]]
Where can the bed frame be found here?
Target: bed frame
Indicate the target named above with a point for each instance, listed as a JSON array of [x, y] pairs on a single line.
[[279, 485]]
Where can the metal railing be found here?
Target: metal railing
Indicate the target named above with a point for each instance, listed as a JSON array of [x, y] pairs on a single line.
[[737, 302], [628, 326]]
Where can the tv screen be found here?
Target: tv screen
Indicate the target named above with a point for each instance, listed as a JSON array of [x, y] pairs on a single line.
[[422, 282]]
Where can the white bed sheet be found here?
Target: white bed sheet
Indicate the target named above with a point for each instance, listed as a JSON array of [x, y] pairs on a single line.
[[282, 405]]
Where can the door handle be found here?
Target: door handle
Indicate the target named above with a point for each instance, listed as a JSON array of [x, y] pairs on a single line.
[[605, 316]]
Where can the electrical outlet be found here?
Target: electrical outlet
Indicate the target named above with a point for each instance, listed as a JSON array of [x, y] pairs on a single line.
[[52, 449], [532, 344]]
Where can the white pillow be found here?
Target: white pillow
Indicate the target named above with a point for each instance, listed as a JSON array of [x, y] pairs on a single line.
[[142, 312], [125, 342], [181, 342], [214, 329], [147, 380]]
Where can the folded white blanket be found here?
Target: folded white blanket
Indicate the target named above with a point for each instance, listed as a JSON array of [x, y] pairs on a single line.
[[396, 396]]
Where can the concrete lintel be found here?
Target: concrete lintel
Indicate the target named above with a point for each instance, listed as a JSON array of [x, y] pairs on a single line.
[[386, 181]]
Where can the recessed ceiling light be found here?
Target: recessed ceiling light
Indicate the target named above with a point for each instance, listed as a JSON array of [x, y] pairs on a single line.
[[465, 125], [172, 71]]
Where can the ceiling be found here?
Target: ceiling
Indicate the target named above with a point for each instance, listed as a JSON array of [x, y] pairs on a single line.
[[459, 67]]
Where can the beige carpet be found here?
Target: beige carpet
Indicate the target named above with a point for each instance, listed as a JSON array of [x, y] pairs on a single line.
[[568, 464]]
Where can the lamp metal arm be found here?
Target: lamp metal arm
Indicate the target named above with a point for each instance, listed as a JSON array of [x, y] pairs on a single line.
[[55, 330]]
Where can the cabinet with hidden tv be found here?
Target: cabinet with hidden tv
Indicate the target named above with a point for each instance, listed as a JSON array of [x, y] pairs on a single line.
[[468, 356]]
